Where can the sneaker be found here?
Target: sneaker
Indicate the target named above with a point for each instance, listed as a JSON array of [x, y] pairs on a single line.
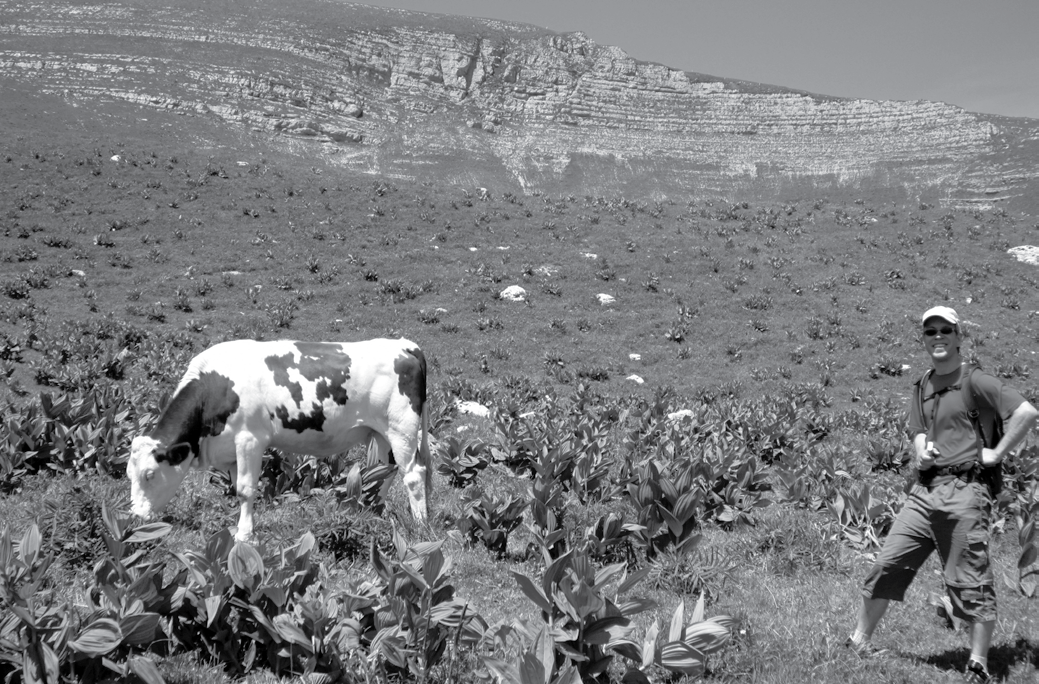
[[975, 674], [864, 650]]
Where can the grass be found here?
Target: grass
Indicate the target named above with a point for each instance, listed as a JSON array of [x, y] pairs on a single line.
[[193, 244]]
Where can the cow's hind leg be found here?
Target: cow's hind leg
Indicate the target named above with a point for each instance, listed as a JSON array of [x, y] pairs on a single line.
[[379, 451], [249, 458]]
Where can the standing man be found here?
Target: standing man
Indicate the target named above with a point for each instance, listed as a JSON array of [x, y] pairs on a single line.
[[949, 505]]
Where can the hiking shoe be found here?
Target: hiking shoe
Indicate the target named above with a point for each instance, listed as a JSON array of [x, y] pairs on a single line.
[[865, 650], [975, 674]]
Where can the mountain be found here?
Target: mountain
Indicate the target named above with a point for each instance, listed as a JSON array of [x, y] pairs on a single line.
[[502, 105]]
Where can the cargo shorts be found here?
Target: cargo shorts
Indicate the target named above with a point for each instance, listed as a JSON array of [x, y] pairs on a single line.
[[952, 517]]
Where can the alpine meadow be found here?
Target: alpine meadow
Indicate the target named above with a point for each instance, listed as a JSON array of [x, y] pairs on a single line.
[[694, 444]]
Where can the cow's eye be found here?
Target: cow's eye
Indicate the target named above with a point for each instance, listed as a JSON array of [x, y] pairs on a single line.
[[148, 475]]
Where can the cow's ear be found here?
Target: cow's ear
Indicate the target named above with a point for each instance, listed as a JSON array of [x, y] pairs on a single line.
[[177, 453]]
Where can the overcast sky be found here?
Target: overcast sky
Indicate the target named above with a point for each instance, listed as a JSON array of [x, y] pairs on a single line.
[[982, 55]]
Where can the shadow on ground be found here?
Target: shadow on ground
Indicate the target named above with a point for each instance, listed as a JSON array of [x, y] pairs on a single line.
[[1002, 658]]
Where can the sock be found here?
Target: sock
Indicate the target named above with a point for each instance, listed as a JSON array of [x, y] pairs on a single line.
[[858, 637], [980, 660]]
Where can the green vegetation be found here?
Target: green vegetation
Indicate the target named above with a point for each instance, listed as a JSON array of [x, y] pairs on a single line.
[[572, 533]]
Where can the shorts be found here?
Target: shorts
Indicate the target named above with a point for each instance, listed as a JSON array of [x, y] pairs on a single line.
[[952, 517]]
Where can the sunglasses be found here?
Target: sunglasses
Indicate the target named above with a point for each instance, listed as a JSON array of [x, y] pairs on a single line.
[[945, 330]]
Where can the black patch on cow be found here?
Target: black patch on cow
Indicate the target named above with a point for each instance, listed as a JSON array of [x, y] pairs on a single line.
[[304, 421], [323, 363], [327, 365], [200, 409], [411, 377], [279, 366]]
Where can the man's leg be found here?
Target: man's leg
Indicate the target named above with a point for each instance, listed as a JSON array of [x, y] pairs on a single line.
[[962, 541], [980, 640], [869, 615], [907, 546]]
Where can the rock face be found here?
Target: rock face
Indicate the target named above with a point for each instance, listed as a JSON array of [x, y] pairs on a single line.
[[506, 106]]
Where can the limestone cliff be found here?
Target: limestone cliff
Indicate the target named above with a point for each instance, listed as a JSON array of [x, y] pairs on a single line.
[[494, 104]]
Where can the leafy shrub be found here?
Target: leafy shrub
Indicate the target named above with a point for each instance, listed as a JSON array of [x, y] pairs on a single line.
[[588, 628], [461, 460], [281, 313], [609, 539], [15, 289], [859, 517], [490, 518], [685, 648], [245, 610], [887, 366], [40, 638], [405, 619]]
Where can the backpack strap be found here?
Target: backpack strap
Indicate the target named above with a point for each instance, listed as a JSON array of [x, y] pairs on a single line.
[[970, 402], [982, 414], [918, 394]]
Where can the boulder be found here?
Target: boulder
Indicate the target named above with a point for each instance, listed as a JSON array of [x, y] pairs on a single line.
[[472, 408], [513, 293], [1026, 253], [340, 135]]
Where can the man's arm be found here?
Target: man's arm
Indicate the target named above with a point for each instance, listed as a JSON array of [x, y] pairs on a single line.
[[1015, 430]]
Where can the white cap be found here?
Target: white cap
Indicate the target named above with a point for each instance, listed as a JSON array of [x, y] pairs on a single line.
[[943, 312]]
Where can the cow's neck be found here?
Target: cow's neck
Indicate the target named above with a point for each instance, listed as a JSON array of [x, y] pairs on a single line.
[[182, 419], [199, 408]]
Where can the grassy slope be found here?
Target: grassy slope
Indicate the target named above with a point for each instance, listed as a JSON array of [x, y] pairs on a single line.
[[802, 291], [301, 233]]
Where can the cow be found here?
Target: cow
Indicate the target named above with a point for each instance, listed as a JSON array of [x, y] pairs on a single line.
[[238, 398]]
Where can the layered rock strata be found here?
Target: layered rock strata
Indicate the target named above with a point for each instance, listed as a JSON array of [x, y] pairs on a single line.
[[495, 104]]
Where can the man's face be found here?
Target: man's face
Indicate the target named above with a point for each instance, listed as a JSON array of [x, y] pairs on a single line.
[[941, 340]]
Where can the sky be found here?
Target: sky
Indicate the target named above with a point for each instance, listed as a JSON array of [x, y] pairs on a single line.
[[982, 55]]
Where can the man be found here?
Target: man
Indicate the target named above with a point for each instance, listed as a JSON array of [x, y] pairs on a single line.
[[948, 507]]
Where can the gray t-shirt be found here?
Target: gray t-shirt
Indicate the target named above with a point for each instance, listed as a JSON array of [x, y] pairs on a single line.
[[947, 423]]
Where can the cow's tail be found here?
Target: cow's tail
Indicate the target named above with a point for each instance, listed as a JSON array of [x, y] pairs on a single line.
[[424, 448]]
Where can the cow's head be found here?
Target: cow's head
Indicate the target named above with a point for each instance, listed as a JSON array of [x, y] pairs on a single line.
[[155, 473]]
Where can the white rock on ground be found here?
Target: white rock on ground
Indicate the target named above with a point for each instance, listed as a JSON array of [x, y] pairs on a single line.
[[1026, 253], [472, 408], [605, 299], [513, 293], [635, 379]]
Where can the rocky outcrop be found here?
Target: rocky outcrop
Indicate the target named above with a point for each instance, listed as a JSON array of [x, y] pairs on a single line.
[[494, 104]]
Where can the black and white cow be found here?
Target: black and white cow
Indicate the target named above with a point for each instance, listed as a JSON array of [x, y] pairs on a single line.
[[317, 398]]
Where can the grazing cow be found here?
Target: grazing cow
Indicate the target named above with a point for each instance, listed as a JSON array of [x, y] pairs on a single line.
[[318, 398]]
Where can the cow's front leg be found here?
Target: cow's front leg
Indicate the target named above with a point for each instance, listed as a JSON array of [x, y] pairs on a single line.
[[413, 473], [249, 459]]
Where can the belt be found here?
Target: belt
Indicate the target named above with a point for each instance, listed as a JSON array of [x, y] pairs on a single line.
[[968, 472]]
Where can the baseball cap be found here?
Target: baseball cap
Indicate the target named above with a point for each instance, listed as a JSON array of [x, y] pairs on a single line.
[[943, 312]]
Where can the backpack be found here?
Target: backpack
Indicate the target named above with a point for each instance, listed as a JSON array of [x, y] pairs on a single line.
[[988, 424]]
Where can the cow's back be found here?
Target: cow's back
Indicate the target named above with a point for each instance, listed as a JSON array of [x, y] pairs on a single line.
[[320, 397]]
